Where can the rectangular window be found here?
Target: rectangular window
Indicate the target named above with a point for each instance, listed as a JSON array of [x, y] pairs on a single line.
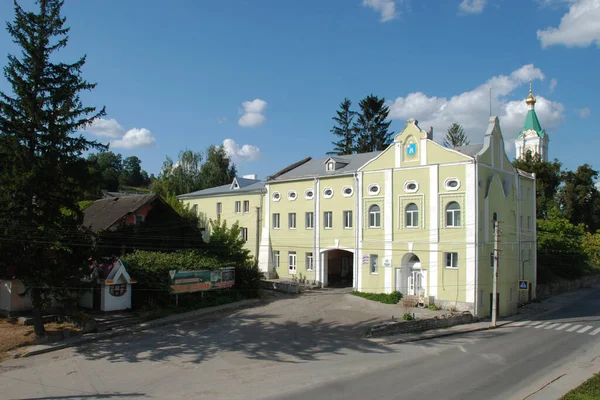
[[374, 263], [246, 206], [521, 192], [347, 219], [245, 234], [529, 222], [309, 261], [292, 220], [328, 219], [292, 262], [451, 260], [195, 209], [309, 220], [219, 208], [276, 221], [492, 260], [276, 258], [238, 207], [528, 193], [374, 216]]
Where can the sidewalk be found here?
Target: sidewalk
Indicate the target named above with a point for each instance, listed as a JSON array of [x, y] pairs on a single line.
[[530, 310], [92, 337]]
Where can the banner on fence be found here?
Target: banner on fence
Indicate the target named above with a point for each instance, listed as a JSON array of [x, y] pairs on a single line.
[[197, 281]]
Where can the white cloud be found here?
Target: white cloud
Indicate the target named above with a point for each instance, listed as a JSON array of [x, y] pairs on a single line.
[[471, 109], [134, 138], [131, 139], [106, 128], [580, 26], [584, 112], [387, 8], [472, 6], [553, 84], [253, 113], [239, 154]]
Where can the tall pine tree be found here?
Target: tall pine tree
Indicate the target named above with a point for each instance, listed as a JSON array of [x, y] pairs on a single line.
[[344, 129], [371, 126], [43, 174], [456, 136]]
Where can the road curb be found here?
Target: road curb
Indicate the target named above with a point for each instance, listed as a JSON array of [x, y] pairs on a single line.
[[92, 337]]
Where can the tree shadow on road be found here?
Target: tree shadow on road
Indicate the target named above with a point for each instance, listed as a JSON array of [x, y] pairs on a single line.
[[255, 336]]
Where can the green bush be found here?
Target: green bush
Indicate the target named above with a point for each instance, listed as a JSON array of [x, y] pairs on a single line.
[[407, 317], [433, 307], [391, 298]]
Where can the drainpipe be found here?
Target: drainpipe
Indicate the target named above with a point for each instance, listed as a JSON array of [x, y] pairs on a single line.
[[356, 255], [316, 255], [477, 299]]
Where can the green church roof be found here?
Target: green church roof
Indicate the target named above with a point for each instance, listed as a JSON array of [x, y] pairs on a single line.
[[532, 123]]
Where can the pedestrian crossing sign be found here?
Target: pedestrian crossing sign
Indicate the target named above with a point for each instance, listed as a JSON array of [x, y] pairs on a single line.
[[523, 285]]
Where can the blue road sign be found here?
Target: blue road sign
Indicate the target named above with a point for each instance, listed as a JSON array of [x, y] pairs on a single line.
[[523, 285]]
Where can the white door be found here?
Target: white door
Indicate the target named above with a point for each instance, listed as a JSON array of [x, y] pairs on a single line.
[[411, 285], [399, 279]]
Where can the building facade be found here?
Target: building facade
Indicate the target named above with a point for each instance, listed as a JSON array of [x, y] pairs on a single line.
[[416, 217]]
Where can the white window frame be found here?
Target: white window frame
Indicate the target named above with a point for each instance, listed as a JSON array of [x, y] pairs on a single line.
[[309, 216], [454, 218], [219, 208], [276, 218], [347, 219], [327, 217], [292, 262], [292, 218], [345, 188], [292, 195], [373, 264], [244, 234], [309, 194], [447, 184], [238, 207], [327, 196], [529, 222], [276, 258], [276, 196], [310, 261], [374, 217], [374, 192], [409, 216], [406, 188], [452, 259], [330, 166], [246, 206]]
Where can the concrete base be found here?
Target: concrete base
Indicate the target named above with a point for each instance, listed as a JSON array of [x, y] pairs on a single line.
[[454, 305]]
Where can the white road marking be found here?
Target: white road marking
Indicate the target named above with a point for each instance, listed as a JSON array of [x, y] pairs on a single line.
[[595, 332], [535, 323], [563, 326], [584, 330], [542, 325], [551, 326], [571, 329], [521, 323]]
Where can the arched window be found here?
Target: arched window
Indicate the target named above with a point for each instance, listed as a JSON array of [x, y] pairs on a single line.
[[453, 214], [412, 216], [374, 216]]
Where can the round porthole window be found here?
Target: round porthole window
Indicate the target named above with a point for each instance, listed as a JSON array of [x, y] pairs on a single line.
[[373, 189], [452, 184], [309, 194], [411, 186], [347, 191], [276, 196], [292, 195], [328, 193]]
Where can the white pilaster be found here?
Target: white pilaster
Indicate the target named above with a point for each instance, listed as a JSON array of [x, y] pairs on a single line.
[[434, 218], [317, 228], [264, 251], [470, 216], [423, 151], [359, 230], [388, 226], [398, 154]]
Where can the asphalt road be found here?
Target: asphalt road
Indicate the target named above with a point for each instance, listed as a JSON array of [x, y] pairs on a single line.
[[253, 355]]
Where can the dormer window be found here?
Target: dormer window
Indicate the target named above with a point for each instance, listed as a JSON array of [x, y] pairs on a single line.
[[330, 166], [334, 163]]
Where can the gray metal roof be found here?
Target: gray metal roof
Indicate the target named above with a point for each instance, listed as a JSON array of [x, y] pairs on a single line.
[[470, 149], [245, 186], [316, 168]]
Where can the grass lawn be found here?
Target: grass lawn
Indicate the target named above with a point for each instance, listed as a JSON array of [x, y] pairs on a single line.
[[392, 298], [588, 390], [13, 335]]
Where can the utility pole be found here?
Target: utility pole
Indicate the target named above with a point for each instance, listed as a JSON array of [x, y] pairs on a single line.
[[495, 285]]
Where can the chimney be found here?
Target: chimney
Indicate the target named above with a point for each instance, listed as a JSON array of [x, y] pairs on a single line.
[[250, 176], [430, 133]]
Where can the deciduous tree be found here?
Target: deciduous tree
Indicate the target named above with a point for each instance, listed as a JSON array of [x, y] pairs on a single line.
[[217, 169]]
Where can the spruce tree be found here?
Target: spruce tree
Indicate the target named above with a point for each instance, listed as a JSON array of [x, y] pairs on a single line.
[[456, 136], [43, 174], [344, 129], [371, 126]]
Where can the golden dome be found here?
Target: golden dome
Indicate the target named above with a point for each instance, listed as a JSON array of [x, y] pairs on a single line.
[[530, 98]]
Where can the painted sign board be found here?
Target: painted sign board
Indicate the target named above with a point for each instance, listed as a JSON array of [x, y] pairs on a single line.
[[366, 259], [196, 281], [387, 263], [523, 285]]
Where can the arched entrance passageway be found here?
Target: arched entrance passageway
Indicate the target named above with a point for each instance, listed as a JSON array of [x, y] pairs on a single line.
[[338, 268], [411, 280]]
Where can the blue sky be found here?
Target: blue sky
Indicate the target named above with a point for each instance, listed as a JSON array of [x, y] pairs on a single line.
[[265, 77]]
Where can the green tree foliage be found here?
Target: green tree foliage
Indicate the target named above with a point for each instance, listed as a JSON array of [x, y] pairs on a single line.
[[579, 198], [217, 169], [226, 243], [548, 178], [344, 130], [43, 174], [561, 253], [371, 127], [108, 166], [591, 244], [456, 136], [181, 177], [131, 173]]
